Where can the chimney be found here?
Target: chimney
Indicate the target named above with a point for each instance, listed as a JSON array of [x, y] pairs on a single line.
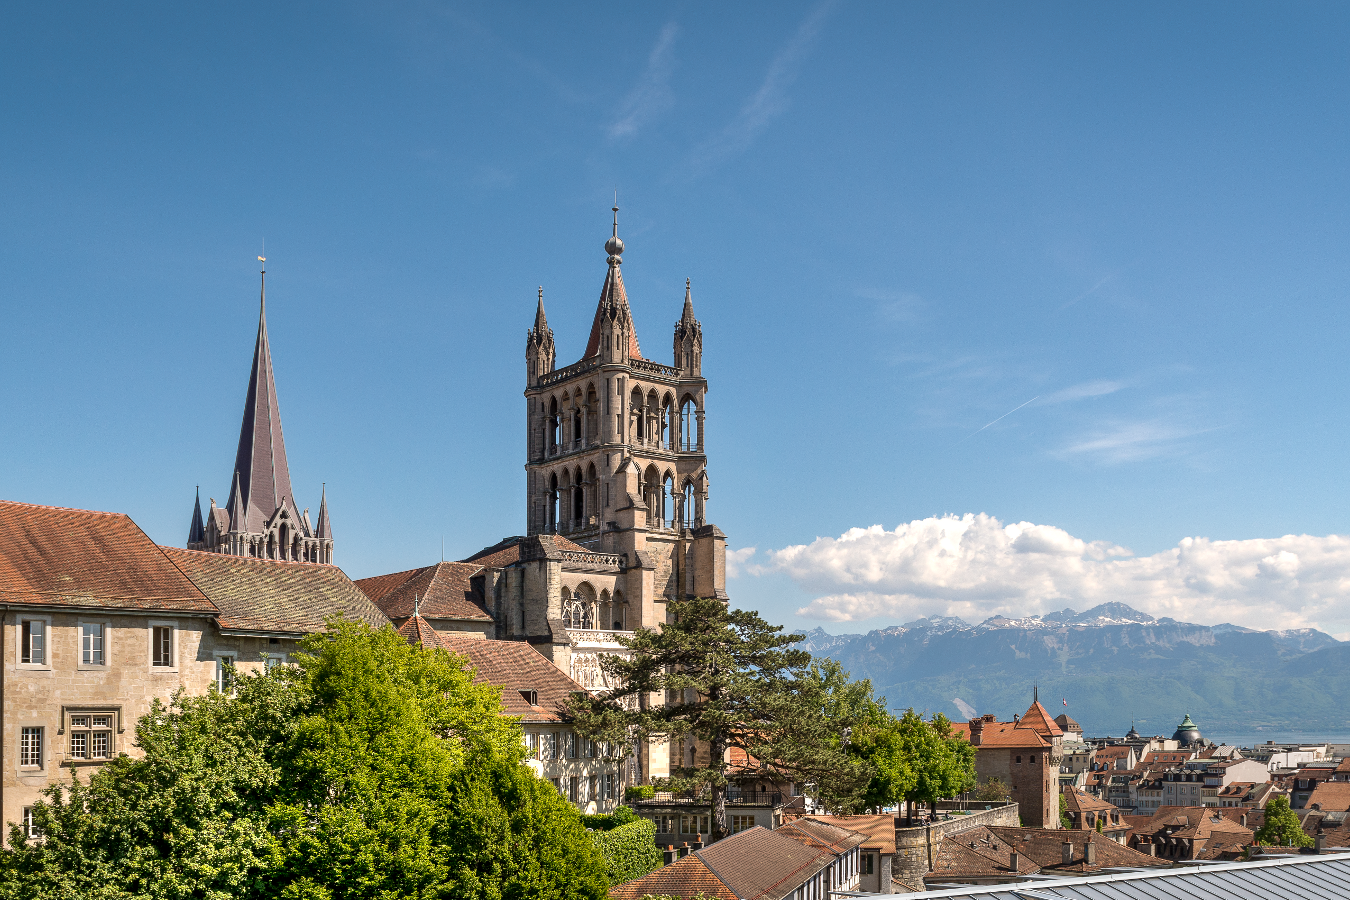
[[1066, 853], [976, 732], [1012, 861], [1320, 841], [1152, 848], [1242, 820], [698, 842], [669, 854], [684, 850], [1090, 853]]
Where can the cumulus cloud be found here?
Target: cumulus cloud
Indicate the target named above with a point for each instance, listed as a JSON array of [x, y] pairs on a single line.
[[737, 560], [974, 566]]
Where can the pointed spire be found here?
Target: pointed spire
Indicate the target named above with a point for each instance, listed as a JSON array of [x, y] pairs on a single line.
[[260, 462], [687, 318], [235, 509], [613, 299], [197, 531], [540, 320], [323, 529]]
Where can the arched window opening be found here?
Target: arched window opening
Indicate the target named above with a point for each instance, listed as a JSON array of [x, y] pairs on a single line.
[[552, 524], [553, 434], [687, 507], [688, 435], [578, 506], [668, 502], [620, 612]]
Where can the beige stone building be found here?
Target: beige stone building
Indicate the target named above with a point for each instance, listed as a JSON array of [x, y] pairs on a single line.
[[616, 514], [96, 622]]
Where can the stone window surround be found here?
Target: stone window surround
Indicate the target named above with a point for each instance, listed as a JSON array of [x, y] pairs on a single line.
[[220, 657], [67, 712], [80, 664], [44, 748], [19, 619], [150, 627]]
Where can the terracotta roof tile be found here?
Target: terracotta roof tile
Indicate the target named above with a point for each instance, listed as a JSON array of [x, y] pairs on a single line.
[[1076, 800], [75, 557], [507, 551], [1067, 724], [418, 631], [515, 666], [1331, 796], [815, 832], [444, 591], [1038, 717], [878, 829], [976, 853], [270, 595], [759, 864], [1044, 846], [686, 877]]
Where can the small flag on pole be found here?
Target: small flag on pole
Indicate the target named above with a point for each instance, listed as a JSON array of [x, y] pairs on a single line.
[[1066, 702], [262, 259]]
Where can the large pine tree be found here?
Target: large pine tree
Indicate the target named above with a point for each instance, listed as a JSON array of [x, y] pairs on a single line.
[[729, 680]]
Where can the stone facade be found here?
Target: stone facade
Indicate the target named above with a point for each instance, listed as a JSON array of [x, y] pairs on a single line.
[[1025, 755]]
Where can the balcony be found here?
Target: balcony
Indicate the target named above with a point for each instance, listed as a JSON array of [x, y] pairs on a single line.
[[735, 797]]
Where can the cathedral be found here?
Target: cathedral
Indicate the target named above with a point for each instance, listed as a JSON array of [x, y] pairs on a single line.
[[616, 511], [261, 518]]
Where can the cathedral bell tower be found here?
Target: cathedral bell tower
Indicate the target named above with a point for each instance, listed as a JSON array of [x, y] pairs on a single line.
[[615, 457]]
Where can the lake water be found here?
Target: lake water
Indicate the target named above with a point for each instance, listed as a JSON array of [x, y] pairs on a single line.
[[1251, 739]]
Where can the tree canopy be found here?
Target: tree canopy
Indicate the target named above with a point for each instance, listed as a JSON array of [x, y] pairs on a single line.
[[729, 680], [912, 760], [1282, 827], [370, 769]]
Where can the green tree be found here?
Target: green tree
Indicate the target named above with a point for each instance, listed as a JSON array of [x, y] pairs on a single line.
[[1282, 827], [372, 769], [733, 681], [630, 850], [993, 790], [1064, 813]]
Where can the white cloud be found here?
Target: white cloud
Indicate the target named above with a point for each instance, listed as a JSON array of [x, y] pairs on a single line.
[[736, 562], [1084, 391], [651, 95], [1120, 442], [974, 566]]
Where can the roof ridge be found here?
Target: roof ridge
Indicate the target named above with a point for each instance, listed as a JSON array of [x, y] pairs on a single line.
[[92, 512], [252, 559]]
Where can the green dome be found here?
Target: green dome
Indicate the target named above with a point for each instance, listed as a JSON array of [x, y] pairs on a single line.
[[1187, 724]]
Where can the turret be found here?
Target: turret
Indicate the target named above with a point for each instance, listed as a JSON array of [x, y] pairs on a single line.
[[539, 351], [688, 338]]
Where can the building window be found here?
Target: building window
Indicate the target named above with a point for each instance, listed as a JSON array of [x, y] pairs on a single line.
[[867, 864], [273, 660], [694, 825], [588, 749], [30, 829], [741, 823], [225, 673], [531, 743], [161, 646], [91, 643], [570, 741], [609, 786], [572, 786], [665, 824], [30, 747], [91, 736], [33, 642], [592, 788], [1019, 760]]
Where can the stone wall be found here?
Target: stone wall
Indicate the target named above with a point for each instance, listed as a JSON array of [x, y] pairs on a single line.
[[916, 848]]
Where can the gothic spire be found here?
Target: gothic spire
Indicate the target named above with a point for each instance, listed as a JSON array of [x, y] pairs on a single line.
[[260, 463], [323, 530], [540, 320], [688, 316], [235, 508], [613, 298], [197, 531]]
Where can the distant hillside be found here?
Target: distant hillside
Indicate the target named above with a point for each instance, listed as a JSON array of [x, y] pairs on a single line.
[[1110, 663]]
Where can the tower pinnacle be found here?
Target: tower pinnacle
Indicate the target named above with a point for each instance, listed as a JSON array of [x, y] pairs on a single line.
[[614, 246]]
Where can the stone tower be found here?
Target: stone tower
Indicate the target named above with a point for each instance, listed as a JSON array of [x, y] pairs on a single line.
[[261, 518], [615, 450]]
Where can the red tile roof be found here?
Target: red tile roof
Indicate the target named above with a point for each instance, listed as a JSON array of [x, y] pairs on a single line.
[[272, 596], [687, 877], [878, 829], [515, 666], [1331, 796], [75, 557], [976, 853], [443, 590], [1038, 717], [1044, 847], [759, 864], [507, 551]]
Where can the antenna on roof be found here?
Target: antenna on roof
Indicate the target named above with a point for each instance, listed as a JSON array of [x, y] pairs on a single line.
[[263, 271]]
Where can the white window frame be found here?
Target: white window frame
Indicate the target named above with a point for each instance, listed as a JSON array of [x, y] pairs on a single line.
[[87, 727], [222, 657], [41, 751], [46, 664], [172, 625], [80, 664], [29, 829], [273, 660]]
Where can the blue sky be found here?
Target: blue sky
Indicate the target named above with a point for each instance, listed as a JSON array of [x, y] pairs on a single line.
[[1081, 267]]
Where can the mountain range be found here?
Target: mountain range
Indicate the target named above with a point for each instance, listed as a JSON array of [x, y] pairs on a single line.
[[1112, 664]]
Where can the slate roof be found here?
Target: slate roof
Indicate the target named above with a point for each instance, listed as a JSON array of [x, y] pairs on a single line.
[[1044, 847], [74, 557], [260, 462], [1067, 724], [273, 596], [1332, 796], [878, 829], [444, 590]]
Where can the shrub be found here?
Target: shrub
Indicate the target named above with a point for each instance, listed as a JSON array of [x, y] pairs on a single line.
[[629, 850], [621, 815], [639, 792]]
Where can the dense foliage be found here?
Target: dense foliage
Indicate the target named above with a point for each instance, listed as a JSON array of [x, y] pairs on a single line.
[[737, 683], [371, 769], [629, 850], [1282, 827], [912, 760], [621, 815]]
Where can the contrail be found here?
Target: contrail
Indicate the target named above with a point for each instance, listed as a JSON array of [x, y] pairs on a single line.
[[1002, 417]]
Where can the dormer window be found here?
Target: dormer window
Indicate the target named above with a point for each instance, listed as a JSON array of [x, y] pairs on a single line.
[[530, 696]]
